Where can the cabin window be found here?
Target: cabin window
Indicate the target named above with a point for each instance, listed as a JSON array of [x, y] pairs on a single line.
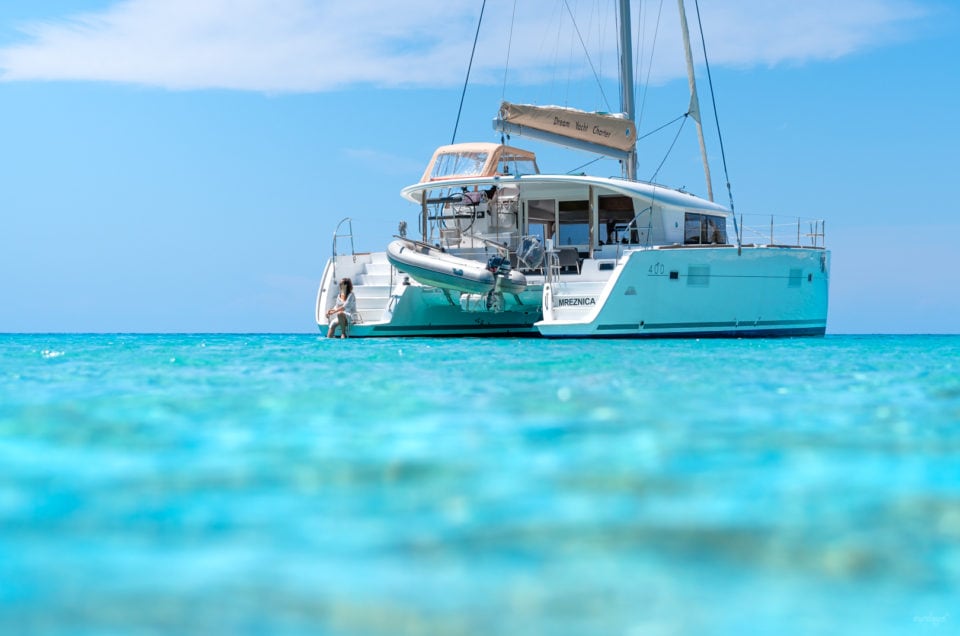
[[574, 233], [538, 230], [704, 229], [795, 276], [574, 223], [541, 218], [517, 166], [458, 164], [698, 276], [615, 216]]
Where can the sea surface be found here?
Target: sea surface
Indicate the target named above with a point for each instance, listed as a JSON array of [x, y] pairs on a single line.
[[289, 484]]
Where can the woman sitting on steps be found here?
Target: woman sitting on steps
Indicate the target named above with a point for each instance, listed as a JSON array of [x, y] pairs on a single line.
[[344, 313]]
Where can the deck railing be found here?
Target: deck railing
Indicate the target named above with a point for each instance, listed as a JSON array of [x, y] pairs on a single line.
[[760, 229]]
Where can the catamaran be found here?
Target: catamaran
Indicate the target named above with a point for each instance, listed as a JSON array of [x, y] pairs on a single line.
[[504, 250]]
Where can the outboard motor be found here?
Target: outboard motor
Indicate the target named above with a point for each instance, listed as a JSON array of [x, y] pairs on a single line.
[[499, 265]]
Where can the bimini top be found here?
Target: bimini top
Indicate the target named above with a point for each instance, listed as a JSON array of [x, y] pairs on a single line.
[[478, 160]]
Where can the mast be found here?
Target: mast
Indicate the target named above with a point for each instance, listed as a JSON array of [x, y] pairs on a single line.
[[694, 110], [626, 83]]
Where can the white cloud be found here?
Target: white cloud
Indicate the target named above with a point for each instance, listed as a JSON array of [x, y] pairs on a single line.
[[322, 45]]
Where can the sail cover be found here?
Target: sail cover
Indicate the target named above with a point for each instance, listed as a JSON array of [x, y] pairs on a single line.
[[612, 131]]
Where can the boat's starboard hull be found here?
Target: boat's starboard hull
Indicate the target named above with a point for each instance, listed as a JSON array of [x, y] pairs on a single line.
[[697, 292]]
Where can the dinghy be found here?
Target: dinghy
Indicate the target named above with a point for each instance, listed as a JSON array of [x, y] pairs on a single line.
[[429, 265]]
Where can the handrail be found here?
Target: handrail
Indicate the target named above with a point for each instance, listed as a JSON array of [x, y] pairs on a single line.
[[551, 268], [337, 235], [636, 225], [503, 250]]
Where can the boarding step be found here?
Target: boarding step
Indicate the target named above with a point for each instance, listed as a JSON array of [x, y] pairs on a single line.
[[381, 269], [372, 303], [375, 279], [375, 272], [371, 291], [370, 315], [378, 258]]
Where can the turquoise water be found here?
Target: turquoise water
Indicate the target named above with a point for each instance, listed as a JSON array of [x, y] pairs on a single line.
[[292, 484]]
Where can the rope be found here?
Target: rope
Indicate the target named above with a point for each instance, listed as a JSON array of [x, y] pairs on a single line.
[[581, 167], [656, 130], [513, 19], [653, 47], [587, 53], [716, 118], [670, 149], [469, 67]]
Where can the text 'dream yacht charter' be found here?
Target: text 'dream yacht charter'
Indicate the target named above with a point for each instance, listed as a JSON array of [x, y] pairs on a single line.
[[503, 250]]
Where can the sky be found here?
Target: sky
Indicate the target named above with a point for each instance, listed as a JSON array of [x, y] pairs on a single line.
[[181, 166]]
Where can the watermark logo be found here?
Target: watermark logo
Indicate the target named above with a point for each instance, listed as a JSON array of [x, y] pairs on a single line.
[[933, 620]]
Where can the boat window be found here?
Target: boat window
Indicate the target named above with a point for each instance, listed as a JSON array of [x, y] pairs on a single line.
[[703, 229], [518, 166], [538, 230], [541, 217], [457, 164], [574, 233], [574, 223], [615, 214]]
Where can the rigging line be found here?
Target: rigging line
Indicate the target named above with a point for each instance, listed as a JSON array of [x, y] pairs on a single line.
[[556, 55], [587, 53], [469, 67], [569, 68], [506, 68], [601, 26], [591, 162], [713, 99], [653, 48], [670, 149], [656, 130]]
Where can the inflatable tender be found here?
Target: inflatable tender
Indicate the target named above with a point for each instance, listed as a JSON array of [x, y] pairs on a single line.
[[431, 266]]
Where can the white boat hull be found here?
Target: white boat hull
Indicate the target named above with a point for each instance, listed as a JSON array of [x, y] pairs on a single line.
[[693, 292], [678, 292], [392, 304]]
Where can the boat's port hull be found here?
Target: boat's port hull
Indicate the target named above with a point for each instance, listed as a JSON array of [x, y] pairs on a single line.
[[393, 305]]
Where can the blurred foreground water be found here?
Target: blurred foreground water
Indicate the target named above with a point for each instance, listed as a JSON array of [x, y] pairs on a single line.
[[291, 484]]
